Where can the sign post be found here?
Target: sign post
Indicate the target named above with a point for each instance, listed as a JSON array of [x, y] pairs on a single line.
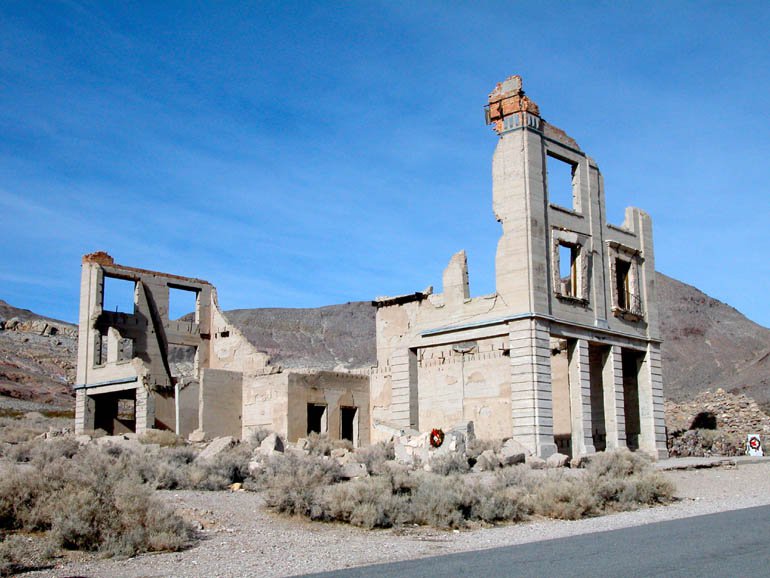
[[754, 445]]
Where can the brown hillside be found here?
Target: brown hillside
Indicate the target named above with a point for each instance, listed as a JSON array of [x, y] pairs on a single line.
[[708, 344], [37, 357]]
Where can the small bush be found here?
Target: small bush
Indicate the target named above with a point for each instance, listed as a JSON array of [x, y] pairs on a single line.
[[375, 456], [368, 502], [449, 463], [294, 484], [164, 438], [475, 447], [321, 445]]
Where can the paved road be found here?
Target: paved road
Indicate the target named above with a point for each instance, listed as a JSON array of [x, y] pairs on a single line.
[[735, 543]]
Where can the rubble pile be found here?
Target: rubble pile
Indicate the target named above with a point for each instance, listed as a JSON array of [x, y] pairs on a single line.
[[714, 424]]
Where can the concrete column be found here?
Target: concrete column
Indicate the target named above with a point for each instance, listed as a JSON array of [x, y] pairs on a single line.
[[91, 287], [531, 399], [404, 409], [145, 409], [580, 397], [614, 408], [652, 438], [85, 411]]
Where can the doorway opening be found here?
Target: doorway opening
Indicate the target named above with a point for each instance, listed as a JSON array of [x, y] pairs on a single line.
[[316, 418]]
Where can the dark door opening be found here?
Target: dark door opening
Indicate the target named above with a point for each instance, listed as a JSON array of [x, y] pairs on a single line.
[[348, 423], [115, 412], [632, 361], [316, 418]]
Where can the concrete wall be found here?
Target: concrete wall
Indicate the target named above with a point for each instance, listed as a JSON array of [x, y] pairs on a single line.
[[334, 390], [220, 403], [530, 307]]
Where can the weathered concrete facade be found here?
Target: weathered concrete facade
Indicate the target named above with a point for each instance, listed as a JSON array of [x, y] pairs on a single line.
[[566, 353], [198, 375]]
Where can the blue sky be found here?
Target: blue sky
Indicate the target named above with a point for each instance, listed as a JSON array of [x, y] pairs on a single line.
[[299, 154]]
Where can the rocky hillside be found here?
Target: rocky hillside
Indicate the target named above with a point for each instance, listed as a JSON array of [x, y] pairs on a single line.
[[37, 357], [707, 344], [326, 337]]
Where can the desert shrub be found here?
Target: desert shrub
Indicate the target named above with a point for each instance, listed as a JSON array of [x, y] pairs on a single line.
[[226, 468], [622, 480], [43, 450], [90, 502], [20, 553], [307, 486], [564, 497], [321, 445], [293, 484], [449, 463], [368, 502], [164, 438], [375, 456], [475, 447]]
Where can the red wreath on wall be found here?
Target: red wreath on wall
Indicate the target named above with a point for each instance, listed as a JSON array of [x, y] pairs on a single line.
[[436, 437]]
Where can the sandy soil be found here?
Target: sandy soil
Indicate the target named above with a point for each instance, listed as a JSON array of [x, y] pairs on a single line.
[[239, 538]]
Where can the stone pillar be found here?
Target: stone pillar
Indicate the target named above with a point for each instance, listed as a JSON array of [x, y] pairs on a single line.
[[652, 438], [614, 406], [403, 406], [580, 397], [145, 409], [85, 412], [531, 400]]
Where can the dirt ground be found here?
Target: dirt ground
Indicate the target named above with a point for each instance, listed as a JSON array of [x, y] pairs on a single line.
[[240, 538]]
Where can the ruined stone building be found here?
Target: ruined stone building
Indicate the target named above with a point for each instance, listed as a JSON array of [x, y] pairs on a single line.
[[563, 356]]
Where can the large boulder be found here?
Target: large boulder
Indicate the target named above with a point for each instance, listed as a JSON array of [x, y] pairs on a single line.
[[486, 462], [216, 447], [535, 462], [272, 444], [557, 460], [512, 453]]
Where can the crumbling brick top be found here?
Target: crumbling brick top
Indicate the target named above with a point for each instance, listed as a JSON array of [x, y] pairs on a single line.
[[105, 260], [506, 99], [100, 257]]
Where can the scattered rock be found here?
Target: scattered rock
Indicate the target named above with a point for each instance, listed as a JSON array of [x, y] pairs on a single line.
[[487, 461], [512, 453], [271, 445], [535, 462], [338, 453], [216, 447], [557, 460]]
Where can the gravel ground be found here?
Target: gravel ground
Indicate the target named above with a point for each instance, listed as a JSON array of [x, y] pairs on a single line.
[[241, 539]]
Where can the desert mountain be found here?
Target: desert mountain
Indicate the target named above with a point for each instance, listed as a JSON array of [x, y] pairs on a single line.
[[707, 344], [38, 357]]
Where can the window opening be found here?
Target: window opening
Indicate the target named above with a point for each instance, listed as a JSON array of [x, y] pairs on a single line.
[[181, 360], [316, 418], [568, 255], [560, 180], [182, 304], [118, 295], [622, 271]]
